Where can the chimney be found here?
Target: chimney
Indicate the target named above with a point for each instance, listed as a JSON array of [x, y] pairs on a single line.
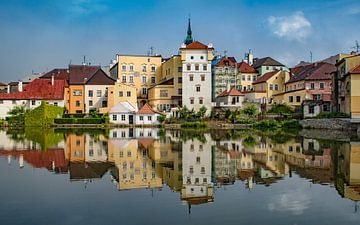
[[20, 86], [250, 58], [8, 89], [52, 80], [21, 161]]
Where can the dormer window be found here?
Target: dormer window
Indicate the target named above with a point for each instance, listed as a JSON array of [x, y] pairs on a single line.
[[191, 57], [201, 57]]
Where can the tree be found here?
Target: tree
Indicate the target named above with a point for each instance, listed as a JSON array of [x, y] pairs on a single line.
[[250, 110], [201, 113]]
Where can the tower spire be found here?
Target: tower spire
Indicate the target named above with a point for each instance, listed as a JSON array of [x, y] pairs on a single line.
[[189, 38]]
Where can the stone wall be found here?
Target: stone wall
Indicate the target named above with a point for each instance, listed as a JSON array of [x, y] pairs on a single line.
[[333, 124]]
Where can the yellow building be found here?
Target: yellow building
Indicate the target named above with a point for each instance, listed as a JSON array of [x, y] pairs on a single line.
[[166, 94], [267, 86], [140, 71], [120, 93], [348, 75], [246, 75]]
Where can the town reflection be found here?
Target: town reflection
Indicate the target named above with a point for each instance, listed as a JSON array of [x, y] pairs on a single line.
[[189, 163]]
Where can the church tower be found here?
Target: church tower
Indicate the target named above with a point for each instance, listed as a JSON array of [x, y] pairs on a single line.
[[189, 38]]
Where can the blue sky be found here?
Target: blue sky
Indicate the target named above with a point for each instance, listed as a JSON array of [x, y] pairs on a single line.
[[39, 35]]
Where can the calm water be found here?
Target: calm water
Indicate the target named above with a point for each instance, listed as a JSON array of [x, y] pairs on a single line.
[[149, 176]]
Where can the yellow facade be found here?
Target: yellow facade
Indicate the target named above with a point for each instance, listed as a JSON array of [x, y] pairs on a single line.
[[355, 95], [120, 93], [244, 81], [76, 99], [75, 148], [139, 71]]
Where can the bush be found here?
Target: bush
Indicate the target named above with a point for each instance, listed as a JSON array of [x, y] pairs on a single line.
[[281, 109], [196, 125], [250, 110], [332, 115], [162, 118], [291, 124], [79, 121], [267, 125]]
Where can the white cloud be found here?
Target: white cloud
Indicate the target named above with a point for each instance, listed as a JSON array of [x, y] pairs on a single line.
[[296, 202], [293, 27]]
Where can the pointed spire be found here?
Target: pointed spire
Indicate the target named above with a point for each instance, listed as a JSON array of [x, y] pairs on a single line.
[[189, 38]]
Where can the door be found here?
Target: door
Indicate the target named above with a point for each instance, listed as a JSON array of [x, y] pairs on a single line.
[[131, 119]]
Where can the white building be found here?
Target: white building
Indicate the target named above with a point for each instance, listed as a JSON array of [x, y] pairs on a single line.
[[196, 76], [147, 116], [122, 113], [230, 99], [31, 96]]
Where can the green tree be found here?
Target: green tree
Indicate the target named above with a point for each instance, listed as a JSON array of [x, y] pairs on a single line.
[[250, 110]]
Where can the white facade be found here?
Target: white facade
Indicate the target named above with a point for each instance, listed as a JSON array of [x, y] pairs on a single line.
[[147, 119], [196, 79], [230, 101], [95, 149], [122, 113], [8, 105], [95, 97]]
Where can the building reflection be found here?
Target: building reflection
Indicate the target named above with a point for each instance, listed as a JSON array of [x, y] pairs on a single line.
[[191, 164]]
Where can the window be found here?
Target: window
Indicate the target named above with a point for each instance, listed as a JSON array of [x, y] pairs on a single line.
[[123, 79], [205, 67], [317, 97], [196, 67], [311, 109], [1, 101], [254, 78], [180, 91], [144, 79], [291, 98], [201, 57], [191, 57], [149, 118], [322, 85], [270, 86], [131, 79], [120, 93], [98, 93], [163, 93], [191, 101], [141, 118], [114, 117], [123, 67], [198, 159], [144, 91], [179, 69], [77, 93], [55, 104], [312, 86], [123, 117], [200, 101], [298, 98], [191, 77], [202, 77], [326, 108], [33, 102], [131, 68], [153, 80], [152, 68], [276, 87], [91, 93], [77, 103], [188, 67], [104, 103], [197, 88], [180, 80], [90, 103], [143, 68], [128, 93], [243, 77], [202, 170], [249, 78]]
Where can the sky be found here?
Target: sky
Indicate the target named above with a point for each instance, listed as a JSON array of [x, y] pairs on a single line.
[[39, 35]]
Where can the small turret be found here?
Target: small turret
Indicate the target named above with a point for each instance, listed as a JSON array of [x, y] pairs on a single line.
[[189, 38]]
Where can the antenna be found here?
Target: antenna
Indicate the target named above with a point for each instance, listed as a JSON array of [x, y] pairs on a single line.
[[151, 50], [84, 60], [356, 47], [225, 52], [311, 56]]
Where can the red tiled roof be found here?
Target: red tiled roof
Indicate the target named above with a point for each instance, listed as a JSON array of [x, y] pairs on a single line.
[[356, 69], [146, 142], [197, 45], [232, 92], [38, 89], [265, 77], [227, 61], [243, 67], [59, 74], [146, 109]]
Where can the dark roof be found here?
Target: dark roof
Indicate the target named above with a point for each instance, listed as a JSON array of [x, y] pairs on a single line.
[[39, 89], [59, 74], [3, 84], [267, 61], [80, 74], [226, 61], [315, 71], [265, 77], [167, 82], [243, 67], [88, 170]]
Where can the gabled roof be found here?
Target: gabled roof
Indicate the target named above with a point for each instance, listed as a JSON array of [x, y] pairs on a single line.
[[3, 84], [355, 70], [243, 67], [146, 142], [226, 61], [123, 107], [59, 74], [232, 92], [315, 71], [265, 77], [39, 89], [146, 109], [80, 74], [267, 61], [197, 45]]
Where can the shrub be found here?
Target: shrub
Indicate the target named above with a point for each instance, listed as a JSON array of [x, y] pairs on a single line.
[[281, 109], [196, 125], [79, 121], [162, 118], [291, 124], [250, 110], [332, 115], [267, 125]]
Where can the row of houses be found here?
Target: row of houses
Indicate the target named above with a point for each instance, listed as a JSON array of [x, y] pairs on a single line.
[[194, 78]]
